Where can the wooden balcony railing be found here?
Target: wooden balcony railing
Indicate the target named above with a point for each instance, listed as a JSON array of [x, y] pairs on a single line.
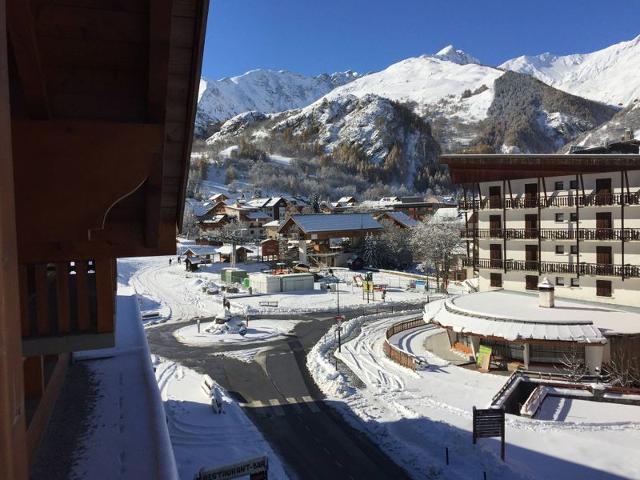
[[67, 306], [594, 269]]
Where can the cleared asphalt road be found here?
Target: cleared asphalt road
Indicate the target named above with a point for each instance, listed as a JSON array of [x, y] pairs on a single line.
[[278, 394]]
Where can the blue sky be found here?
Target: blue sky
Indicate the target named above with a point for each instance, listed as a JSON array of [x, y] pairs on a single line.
[[316, 36]]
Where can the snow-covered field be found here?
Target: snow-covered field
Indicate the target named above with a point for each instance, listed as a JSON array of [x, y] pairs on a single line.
[[177, 294], [414, 416], [202, 438]]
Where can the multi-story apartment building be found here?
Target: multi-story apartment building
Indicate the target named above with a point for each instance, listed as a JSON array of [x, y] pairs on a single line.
[[573, 218]]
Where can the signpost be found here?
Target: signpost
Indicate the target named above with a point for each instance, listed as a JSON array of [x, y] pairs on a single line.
[[256, 468], [489, 423]]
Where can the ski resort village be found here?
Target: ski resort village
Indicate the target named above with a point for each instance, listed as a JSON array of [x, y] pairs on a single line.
[[429, 271]]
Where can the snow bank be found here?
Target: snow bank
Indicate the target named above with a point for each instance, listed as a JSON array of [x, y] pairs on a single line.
[[202, 438]]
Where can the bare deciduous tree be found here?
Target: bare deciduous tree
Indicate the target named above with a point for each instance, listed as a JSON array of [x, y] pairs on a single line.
[[434, 245], [572, 365], [622, 369]]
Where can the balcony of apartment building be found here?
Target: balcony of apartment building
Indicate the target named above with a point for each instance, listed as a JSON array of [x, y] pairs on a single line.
[[544, 267], [601, 195]]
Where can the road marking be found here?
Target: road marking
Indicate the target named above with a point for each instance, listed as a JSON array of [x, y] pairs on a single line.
[[294, 403], [309, 402], [275, 405]]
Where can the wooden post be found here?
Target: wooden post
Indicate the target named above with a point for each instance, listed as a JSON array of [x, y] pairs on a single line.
[[13, 458]]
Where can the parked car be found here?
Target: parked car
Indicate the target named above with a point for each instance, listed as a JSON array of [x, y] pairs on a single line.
[[301, 267], [355, 263]]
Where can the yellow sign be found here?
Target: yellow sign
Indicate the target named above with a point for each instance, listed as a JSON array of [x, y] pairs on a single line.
[[367, 286]]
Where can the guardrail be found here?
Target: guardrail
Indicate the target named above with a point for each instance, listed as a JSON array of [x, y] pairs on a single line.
[[394, 353], [551, 379]]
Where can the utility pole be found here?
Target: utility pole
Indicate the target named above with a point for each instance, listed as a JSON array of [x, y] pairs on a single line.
[[338, 293]]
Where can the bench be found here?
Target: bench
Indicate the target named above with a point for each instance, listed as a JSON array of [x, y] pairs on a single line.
[[266, 303]]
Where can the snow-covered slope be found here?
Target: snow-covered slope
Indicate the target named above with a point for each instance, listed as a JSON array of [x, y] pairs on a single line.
[[609, 75], [371, 135], [449, 83], [265, 91], [613, 130]]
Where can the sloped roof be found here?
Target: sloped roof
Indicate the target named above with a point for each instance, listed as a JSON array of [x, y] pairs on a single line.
[[199, 250], [446, 214], [321, 222], [258, 202], [226, 249], [273, 201], [402, 218]]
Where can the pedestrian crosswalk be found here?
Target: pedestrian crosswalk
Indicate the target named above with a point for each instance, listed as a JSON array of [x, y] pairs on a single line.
[[280, 408]]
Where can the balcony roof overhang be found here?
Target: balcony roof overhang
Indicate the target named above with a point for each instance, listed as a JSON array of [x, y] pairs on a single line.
[[474, 168]]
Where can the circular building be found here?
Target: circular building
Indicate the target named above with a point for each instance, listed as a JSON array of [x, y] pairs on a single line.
[[535, 330]]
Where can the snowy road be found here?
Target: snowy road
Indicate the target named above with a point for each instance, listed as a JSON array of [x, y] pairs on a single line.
[[271, 385]]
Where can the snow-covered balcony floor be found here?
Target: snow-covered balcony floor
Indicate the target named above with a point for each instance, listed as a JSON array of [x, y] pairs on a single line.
[[517, 316], [109, 421]]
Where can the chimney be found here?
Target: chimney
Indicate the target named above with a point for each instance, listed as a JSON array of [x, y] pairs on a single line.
[[628, 135], [546, 294]]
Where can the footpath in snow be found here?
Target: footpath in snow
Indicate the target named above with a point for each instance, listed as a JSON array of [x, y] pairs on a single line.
[[414, 416]]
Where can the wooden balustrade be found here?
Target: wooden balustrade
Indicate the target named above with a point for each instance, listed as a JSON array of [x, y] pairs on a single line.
[[66, 299]]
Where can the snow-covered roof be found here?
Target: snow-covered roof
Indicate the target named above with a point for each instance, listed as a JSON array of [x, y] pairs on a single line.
[[272, 223], [199, 250], [445, 214], [215, 219], [257, 202], [517, 316], [226, 249], [402, 218], [321, 222], [201, 208], [346, 200], [273, 201]]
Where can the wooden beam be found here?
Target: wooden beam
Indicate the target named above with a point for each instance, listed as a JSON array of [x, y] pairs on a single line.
[[24, 44], [13, 457], [200, 27], [68, 181], [158, 61]]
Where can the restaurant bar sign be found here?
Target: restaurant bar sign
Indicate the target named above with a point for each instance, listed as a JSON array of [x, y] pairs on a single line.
[[256, 468]]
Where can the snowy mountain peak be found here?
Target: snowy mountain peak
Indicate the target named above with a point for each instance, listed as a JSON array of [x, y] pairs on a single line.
[[608, 75], [262, 90], [452, 54]]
